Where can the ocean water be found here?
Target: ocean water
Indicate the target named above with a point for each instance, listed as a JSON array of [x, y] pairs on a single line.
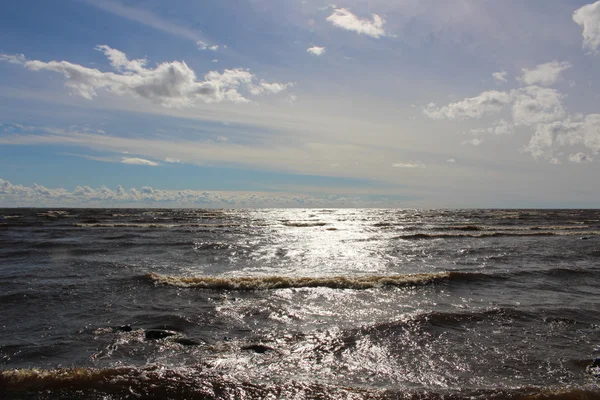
[[301, 303]]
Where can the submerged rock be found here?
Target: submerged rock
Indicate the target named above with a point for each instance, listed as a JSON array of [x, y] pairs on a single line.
[[124, 328], [257, 348], [594, 368], [187, 342], [155, 334]]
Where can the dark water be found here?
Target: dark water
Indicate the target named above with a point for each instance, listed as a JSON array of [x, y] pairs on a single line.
[[462, 304]]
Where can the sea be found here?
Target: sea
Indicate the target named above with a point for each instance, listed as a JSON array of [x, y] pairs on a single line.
[[299, 304]]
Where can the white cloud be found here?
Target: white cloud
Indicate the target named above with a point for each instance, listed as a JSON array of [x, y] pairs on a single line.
[[533, 105], [138, 161], [500, 127], [500, 77], [205, 46], [171, 84], [544, 74], [489, 102], [451, 161], [13, 58], [580, 158], [344, 19], [172, 160], [265, 87], [588, 17], [409, 165], [316, 50], [573, 131], [473, 142]]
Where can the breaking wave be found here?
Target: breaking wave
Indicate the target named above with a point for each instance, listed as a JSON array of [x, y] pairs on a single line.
[[418, 236], [196, 382], [282, 282], [303, 224], [150, 225]]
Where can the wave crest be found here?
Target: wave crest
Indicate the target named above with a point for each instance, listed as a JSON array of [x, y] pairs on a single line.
[[283, 282]]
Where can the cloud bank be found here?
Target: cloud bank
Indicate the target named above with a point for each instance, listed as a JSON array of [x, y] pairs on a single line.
[[85, 196], [534, 106]]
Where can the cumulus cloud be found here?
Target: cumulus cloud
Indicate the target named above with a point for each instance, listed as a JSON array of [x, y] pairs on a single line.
[[544, 74], [533, 105], [572, 131], [579, 158], [171, 84], [138, 161], [588, 17], [489, 102], [343, 18], [500, 77], [41, 196], [409, 165], [316, 50]]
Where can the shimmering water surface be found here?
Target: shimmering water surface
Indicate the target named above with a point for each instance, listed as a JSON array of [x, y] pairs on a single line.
[[301, 303]]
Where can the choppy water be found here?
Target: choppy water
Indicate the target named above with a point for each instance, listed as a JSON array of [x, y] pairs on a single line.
[[459, 304]]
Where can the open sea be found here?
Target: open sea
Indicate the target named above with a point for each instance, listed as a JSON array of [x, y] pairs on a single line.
[[299, 304]]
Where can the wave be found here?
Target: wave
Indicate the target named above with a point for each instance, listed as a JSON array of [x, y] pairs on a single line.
[[157, 381], [418, 236], [282, 282], [303, 224], [151, 225], [362, 281], [477, 228], [196, 382], [445, 320]]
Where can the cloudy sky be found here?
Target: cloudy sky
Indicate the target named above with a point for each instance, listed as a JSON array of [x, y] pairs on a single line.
[[412, 103]]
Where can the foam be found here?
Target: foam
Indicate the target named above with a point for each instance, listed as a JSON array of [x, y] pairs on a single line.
[[281, 282]]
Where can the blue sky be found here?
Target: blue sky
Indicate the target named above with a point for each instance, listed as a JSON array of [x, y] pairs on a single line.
[[384, 103]]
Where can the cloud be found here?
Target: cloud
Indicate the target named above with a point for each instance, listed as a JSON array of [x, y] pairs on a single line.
[[41, 196], [138, 161], [489, 102], [473, 142], [204, 46], [343, 18], [451, 161], [170, 84], [500, 77], [588, 17], [409, 165], [533, 105], [544, 74], [172, 160], [316, 50], [579, 158], [146, 18], [265, 87], [13, 58], [572, 131], [500, 127]]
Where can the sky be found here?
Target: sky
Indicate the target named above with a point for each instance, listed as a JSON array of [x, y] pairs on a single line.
[[258, 103]]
